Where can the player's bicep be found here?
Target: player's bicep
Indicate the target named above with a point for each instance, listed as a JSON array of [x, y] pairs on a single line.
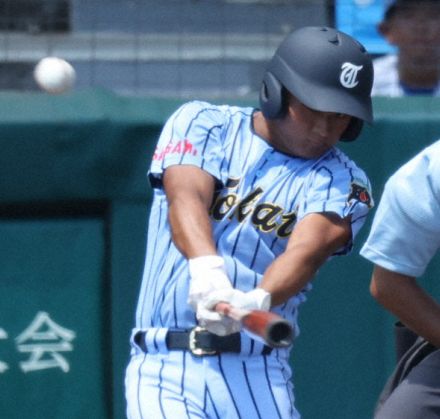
[[189, 191], [185, 184]]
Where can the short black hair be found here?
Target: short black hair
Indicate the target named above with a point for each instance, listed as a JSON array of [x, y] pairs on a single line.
[[393, 8]]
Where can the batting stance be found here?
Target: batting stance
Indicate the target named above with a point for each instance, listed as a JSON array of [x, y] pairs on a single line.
[[248, 204]]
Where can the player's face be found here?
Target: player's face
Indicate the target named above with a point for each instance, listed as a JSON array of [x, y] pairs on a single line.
[[307, 133], [415, 28]]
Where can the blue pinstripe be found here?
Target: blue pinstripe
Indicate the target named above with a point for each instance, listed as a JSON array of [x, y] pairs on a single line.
[[231, 392], [267, 193], [212, 403], [182, 385], [160, 389], [270, 388], [250, 390], [138, 387]]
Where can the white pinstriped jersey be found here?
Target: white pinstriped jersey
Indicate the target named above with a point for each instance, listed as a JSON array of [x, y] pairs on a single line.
[[262, 193]]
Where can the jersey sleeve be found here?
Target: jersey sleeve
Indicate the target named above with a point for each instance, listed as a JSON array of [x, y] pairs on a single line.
[[405, 233], [191, 136], [340, 187]]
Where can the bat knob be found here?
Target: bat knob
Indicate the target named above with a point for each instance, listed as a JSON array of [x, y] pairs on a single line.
[[280, 334]]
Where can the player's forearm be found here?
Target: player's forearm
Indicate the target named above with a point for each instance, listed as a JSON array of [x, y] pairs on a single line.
[[290, 273], [403, 297], [314, 239]]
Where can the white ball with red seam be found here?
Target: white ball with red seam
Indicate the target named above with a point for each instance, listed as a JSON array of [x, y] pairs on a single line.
[[54, 75]]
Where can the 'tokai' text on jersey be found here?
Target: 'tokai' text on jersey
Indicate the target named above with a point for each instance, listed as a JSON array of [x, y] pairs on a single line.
[[265, 216]]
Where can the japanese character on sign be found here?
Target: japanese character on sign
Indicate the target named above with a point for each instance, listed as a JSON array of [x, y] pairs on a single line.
[[44, 339], [3, 365]]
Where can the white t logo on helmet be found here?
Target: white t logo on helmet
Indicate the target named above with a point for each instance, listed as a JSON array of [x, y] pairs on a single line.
[[348, 77]]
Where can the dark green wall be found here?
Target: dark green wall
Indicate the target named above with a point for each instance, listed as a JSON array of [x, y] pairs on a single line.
[[73, 207], [346, 350]]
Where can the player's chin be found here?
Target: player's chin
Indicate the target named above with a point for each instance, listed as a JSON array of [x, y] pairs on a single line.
[[309, 155], [316, 150], [318, 154], [308, 149]]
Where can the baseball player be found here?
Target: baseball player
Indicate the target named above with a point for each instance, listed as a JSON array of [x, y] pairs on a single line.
[[404, 237], [248, 204]]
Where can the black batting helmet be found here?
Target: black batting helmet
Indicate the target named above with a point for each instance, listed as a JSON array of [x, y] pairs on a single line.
[[325, 69]]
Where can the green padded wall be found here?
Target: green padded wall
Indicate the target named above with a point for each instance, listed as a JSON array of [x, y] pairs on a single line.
[[73, 207], [53, 314]]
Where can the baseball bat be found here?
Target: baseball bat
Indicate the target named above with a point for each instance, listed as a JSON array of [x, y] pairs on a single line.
[[275, 331]]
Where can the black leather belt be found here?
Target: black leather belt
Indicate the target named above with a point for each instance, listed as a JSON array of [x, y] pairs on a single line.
[[199, 342]]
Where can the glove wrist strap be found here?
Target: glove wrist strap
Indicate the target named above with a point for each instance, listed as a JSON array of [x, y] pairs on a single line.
[[262, 297]]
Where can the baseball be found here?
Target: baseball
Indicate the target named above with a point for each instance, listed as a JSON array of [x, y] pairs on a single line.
[[54, 75]]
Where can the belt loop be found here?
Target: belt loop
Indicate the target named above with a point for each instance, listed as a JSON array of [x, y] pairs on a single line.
[[160, 339], [150, 340], [252, 346], [259, 348], [246, 347]]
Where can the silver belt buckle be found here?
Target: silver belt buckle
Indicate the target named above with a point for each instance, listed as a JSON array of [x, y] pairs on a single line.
[[195, 350]]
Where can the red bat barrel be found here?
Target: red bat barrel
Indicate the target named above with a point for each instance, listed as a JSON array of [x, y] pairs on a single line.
[[276, 331]]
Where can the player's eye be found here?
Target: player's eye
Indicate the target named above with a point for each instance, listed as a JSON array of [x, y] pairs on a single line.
[[337, 115]]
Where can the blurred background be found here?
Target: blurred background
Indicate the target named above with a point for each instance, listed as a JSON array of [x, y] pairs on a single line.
[[74, 195], [164, 48]]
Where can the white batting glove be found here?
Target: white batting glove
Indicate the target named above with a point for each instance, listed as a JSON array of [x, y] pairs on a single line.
[[208, 274], [215, 322], [257, 299]]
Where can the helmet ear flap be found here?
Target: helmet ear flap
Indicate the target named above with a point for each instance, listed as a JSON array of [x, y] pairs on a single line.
[[271, 97], [353, 130]]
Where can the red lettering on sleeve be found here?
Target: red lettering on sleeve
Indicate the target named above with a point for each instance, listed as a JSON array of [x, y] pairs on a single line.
[[181, 147]]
